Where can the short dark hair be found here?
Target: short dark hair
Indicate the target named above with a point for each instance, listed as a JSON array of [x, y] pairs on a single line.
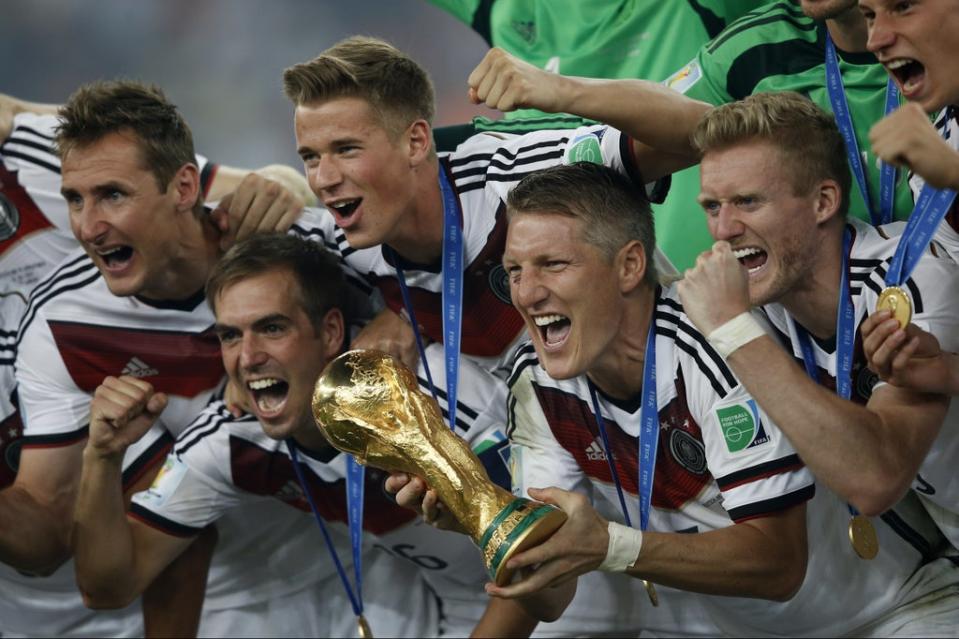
[[316, 271], [806, 136], [397, 88], [614, 211], [98, 109]]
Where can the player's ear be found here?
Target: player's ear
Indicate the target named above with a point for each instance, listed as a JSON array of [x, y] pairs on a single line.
[[332, 331], [631, 264], [420, 142], [828, 201], [186, 186]]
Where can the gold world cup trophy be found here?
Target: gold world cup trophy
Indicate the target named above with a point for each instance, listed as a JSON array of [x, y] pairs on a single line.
[[369, 405]]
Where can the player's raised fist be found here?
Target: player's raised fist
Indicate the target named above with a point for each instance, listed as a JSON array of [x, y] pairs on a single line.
[[122, 411], [907, 139], [716, 289], [504, 82]]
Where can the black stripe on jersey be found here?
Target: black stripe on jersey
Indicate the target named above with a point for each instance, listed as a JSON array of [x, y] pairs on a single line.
[[461, 408], [504, 152], [525, 356], [482, 21], [770, 506], [32, 131], [879, 283], [161, 523], [87, 270], [527, 125], [693, 352], [155, 452], [15, 140], [206, 424], [56, 440], [494, 163], [713, 24], [206, 177], [910, 535], [693, 332], [759, 471], [31, 160], [790, 57], [510, 415], [786, 12]]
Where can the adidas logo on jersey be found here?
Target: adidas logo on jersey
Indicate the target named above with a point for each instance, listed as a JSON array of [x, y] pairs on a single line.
[[595, 451], [136, 367]]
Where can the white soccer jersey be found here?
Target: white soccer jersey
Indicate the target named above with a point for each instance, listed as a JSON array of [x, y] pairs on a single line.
[[906, 567], [221, 461], [947, 235], [719, 461], [482, 171], [73, 334], [35, 236]]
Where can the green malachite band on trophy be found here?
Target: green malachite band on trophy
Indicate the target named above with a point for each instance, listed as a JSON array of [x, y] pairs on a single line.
[[503, 514], [531, 518]]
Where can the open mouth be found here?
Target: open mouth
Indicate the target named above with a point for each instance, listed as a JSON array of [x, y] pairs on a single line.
[[269, 395], [343, 210], [553, 329], [909, 73], [751, 257], [117, 257]]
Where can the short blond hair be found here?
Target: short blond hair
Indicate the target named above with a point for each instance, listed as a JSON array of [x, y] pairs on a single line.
[[807, 137], [397, 88]]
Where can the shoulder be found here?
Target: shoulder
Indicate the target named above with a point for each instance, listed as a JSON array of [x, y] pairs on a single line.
[[72, 280], [212, 428]]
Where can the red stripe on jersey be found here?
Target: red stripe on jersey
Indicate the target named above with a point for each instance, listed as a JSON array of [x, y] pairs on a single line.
[[764, 475], [270, 473], [31, 219], [184, 364], [681, 471], [11, 431], [490, 323]]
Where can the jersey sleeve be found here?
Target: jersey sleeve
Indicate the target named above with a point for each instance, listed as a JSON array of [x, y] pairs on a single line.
[[755, 466], [54, 409], [537, 460], [193, 488], [29, 152]]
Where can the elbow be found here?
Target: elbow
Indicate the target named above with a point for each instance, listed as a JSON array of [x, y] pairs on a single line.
[[788, 578], [876, 497]]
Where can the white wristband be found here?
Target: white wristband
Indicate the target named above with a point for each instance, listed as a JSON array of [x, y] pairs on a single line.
[[737, 332], [624, 546]]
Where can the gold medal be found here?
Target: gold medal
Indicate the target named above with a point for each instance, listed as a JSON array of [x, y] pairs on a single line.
[[651, 591], [363, 628], [862, 536], [895, 300]]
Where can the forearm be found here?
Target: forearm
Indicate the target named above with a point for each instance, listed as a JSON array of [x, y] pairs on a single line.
[[847, 446], [102, 539], [504, 618], [33, 537], [739, 561], [549, 603], [648, 112], [172, 603]]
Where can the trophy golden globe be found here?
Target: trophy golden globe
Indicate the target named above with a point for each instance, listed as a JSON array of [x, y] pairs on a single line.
[[369, 405]]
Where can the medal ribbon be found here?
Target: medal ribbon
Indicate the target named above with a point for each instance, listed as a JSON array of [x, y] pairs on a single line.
[[452, 297], [355, 475], [931, 207], [845, 335], [648, 433], [840, 108]]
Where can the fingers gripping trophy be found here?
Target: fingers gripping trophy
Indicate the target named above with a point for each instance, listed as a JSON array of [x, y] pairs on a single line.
[[369, 405]]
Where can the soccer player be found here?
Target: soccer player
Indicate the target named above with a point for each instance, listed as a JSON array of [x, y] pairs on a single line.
[[126, 303], [773, 189], [277, 301], [778, 46]]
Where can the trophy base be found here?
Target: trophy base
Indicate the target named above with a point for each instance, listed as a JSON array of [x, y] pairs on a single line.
[[520, 525]]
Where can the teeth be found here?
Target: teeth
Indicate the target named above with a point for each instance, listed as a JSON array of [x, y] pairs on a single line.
[[546, 320], [745, 252], [110, 251], [260, 384], [344, 204], [898, 63]]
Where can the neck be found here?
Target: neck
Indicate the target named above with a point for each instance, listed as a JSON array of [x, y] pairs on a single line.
[[619, 370], [308, 437], [188, 263], [814, 300], [419, 237], [848, 31]]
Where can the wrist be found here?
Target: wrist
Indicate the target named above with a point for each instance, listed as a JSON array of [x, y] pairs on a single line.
[[623, 550], [735, 333], [102, 455]]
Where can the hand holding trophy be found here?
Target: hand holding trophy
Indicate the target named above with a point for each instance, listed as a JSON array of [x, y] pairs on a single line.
[[369, 405]]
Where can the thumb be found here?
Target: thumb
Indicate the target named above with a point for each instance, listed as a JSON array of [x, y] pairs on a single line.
[[156, 404], [553, 496]]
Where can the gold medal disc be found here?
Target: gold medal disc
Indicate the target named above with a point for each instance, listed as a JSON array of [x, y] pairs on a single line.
[[862, 535], [363, 628], [651, 591], [895, 300]]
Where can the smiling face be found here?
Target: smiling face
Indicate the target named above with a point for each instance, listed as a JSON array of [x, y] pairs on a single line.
[[567, 291], [917, 41], [126, 224], [362, 175], [271, 349], [749, 201]]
